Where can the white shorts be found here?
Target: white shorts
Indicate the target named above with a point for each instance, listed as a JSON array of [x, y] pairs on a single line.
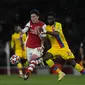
[[34, 53]]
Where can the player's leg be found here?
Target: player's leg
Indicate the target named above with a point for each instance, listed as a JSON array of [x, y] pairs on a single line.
[[24, 62], [29, 55], [19, 65], [66, 54], [77, 66], [32, 55], [48, 58], [24, 58]]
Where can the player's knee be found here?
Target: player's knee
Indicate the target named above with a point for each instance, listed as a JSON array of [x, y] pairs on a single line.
[[50, 62], [47, 56], [72, 62]]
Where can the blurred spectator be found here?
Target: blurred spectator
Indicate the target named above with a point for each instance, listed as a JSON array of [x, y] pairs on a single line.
[[82, 52], [71, 31]]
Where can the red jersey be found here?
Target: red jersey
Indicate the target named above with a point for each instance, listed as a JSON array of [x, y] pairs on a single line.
[[34, 40]]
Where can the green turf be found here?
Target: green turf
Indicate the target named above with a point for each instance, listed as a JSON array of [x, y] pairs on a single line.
[[42, 80]]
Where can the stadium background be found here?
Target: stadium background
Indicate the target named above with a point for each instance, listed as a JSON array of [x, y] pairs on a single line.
[[71, 13]]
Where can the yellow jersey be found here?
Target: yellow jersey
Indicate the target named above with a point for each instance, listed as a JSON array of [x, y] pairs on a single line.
[[15, 41], [60, 41]]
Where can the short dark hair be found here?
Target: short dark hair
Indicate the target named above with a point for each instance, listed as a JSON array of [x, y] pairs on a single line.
[[34, 11], [51, 14]]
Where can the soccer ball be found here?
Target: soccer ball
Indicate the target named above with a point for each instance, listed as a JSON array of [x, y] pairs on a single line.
[[14, 59]]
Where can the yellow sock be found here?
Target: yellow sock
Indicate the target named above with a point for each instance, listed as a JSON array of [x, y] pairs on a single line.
[[26, 63], [78, 67], [58, 70], [19, 65], [51, 63], [20, 72]]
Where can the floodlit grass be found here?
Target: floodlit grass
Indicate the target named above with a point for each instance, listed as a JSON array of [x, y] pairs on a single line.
[[42, 80]]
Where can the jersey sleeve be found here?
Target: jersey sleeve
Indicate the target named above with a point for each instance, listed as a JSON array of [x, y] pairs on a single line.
[[44, 30], [12, 41], [27, 26]]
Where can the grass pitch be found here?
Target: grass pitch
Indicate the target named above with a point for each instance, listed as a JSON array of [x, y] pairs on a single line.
[[42, 80]]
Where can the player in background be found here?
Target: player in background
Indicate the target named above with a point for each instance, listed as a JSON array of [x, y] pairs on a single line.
[[18, 47], [59, 47], [35, 43]]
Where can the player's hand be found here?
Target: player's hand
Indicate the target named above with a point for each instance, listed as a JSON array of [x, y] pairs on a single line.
[[43, 32]]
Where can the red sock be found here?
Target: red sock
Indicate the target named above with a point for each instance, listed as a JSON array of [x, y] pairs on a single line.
[[32, 65], [82, 71]]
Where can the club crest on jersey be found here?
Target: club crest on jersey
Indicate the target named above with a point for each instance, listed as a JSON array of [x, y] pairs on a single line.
[[34, 31]]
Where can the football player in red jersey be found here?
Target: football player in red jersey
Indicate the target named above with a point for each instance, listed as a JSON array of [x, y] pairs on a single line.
[[34, 44]]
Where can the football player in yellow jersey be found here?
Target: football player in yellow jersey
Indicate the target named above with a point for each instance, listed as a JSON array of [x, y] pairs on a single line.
[[17, 44], [59, 46]]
